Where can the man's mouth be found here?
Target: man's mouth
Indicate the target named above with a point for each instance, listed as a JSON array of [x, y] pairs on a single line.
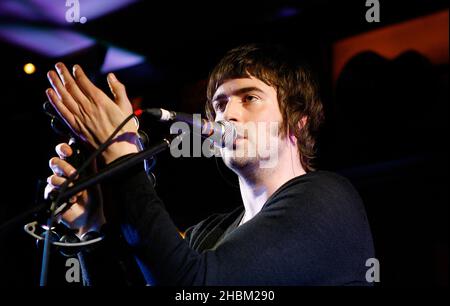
[[238, 140]]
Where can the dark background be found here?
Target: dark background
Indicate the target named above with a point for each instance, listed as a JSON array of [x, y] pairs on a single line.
[[385, 130]]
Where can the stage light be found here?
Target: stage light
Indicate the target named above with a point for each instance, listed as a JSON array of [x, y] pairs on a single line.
[[29, 68], [51, 11], [48, 42], [117, 58]]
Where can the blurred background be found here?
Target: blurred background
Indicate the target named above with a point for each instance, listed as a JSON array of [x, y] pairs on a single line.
[[384, 86]]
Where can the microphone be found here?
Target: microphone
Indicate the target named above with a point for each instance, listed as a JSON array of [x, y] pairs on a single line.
[[224, 132]]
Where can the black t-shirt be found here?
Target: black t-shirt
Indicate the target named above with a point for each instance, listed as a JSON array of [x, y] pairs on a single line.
[[312, 231]]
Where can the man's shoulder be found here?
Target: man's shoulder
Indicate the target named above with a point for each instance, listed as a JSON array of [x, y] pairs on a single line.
[[332, 182], [324, 176], [324, 205], [318, 193], [319, 183]]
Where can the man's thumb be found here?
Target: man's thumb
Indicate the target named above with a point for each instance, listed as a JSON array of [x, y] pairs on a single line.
[[119, 92]]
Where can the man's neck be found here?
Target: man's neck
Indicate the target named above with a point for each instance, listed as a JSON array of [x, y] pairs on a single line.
[[257, 188]]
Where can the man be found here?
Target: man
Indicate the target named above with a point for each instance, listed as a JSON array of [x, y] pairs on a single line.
[[297, 226]]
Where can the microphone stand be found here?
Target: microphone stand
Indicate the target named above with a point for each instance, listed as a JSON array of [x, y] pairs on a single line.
[[46, 250]]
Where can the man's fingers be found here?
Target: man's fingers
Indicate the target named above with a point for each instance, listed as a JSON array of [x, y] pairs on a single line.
[[63, 94], [64, 74], [120, 94], [70, 84], [61, 167], [84, 83], [63, 111], [49, 188], [63, 150], [56, 181]]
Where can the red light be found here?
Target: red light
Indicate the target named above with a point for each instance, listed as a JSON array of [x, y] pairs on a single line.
[[138, 112]]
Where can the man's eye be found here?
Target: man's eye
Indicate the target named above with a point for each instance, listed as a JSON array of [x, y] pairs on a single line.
[[251, 98], [219, 106]]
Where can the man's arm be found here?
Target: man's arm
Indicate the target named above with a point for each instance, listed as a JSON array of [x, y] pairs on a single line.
[[110, 262], [288, 243]]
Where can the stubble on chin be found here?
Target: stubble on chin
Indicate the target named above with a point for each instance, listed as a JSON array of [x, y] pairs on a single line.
[[240, 161]]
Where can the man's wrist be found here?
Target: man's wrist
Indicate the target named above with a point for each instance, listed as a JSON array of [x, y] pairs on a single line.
[[118, 149]]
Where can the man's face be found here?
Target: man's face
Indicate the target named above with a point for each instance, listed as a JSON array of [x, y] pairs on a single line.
[[252, 106]]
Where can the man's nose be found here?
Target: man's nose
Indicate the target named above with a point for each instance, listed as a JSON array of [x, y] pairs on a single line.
[[233, 111]]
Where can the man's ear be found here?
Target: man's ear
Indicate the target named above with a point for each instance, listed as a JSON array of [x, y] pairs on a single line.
[[291, 135], [301, 124]]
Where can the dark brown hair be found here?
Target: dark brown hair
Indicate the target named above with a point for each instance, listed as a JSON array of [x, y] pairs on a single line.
[[297, 92]]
